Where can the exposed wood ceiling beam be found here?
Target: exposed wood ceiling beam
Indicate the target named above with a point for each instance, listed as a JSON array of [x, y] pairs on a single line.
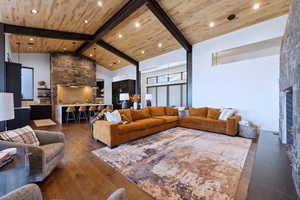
[[38, 32], [168, 23], [117, 52], [116, 19]]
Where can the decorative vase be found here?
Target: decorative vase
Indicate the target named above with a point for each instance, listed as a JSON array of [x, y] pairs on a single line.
[[135, 105]]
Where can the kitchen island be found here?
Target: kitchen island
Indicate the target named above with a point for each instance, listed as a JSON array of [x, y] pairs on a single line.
[[60, 111]]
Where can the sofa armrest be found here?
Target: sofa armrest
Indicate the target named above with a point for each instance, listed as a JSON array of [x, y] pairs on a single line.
[[49, 137], [105, 131], [27, 192], [232, 126]]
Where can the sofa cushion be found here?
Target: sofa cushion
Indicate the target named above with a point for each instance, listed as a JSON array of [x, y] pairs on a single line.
[[132, 126], [171, 111], [52, 150], [151, 122], [157, 111], [204, 122], [201, 112], [140, 114], [213, 113], [168, 119], [126, 115]]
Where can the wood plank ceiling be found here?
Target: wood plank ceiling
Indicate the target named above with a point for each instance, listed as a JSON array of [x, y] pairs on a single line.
[[191, 16]]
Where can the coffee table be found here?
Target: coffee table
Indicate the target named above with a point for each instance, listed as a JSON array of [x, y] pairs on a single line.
[[15, 174]]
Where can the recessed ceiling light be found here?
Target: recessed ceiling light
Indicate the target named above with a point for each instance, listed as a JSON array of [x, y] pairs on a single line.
[[91, 55], [231, 17], [159, 45], [100, 3], [120, 35], [256, 6], [31, 39], [211, 24], [34, 11], [86, 21], [65, 49], [143, 52], [137, 24], [119, 61]]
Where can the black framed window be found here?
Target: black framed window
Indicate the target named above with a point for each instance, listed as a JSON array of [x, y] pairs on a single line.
[[27, 86]]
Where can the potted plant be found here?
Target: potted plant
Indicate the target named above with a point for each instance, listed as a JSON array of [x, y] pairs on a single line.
[[135, 99]]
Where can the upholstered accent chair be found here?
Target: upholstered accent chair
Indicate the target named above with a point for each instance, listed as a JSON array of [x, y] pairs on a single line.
[[27, 192], [43, 158], [33, 192]]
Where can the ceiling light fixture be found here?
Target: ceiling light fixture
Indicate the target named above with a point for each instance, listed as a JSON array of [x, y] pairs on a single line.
[[65, 49], [119, 61], [137, 24], [143, 52], [159, 45], [100, 3], [91, 55], [256, 6], [120, 35], [211, 24], [86, 21], [34, 11], [31, 39]]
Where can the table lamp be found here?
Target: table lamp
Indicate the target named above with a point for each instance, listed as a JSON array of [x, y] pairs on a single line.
[[148, 98], [124, 97], [7, 111]]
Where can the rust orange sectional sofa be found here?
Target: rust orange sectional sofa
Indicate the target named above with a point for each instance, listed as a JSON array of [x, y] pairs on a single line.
[[155, 119]]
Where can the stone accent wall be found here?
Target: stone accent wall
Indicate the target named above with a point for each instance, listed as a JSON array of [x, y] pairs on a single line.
[[69, 69], [290, 78]]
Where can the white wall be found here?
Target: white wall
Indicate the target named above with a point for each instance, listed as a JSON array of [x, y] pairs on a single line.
[[41, 64], [170, 59], [106, 75], [251, 86]]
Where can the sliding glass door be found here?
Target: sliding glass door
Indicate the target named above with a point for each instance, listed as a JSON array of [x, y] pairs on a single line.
[[168, 95]]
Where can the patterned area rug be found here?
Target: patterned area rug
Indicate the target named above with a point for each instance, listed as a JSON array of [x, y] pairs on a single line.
[[182, 164]]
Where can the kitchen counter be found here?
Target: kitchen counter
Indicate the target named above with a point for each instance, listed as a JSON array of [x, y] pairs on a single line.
[[60, 111]]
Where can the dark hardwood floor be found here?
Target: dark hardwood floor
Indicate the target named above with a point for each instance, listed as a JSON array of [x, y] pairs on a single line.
[[81, 175]]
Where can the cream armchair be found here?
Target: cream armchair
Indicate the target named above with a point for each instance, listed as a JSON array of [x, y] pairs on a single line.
[[44, 158]]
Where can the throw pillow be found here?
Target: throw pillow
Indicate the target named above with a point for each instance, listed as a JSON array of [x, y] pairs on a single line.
[[183, 113], [157, 111], [213, 113], [140, 114], [113, 117], [171, 111], [23, 135], [226, 113], [201, 112]]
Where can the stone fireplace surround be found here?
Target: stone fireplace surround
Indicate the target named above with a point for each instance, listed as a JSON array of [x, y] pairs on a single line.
[[68, 69], [290, 79]]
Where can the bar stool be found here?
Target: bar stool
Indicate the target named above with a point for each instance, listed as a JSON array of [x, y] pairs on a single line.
[[70, 111], [109, 108], [100, 108], [92, 111], [82, 113]]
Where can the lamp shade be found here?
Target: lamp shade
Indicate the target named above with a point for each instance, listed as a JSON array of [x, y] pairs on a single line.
[[124, 96], [148, 96], [7, 111]]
